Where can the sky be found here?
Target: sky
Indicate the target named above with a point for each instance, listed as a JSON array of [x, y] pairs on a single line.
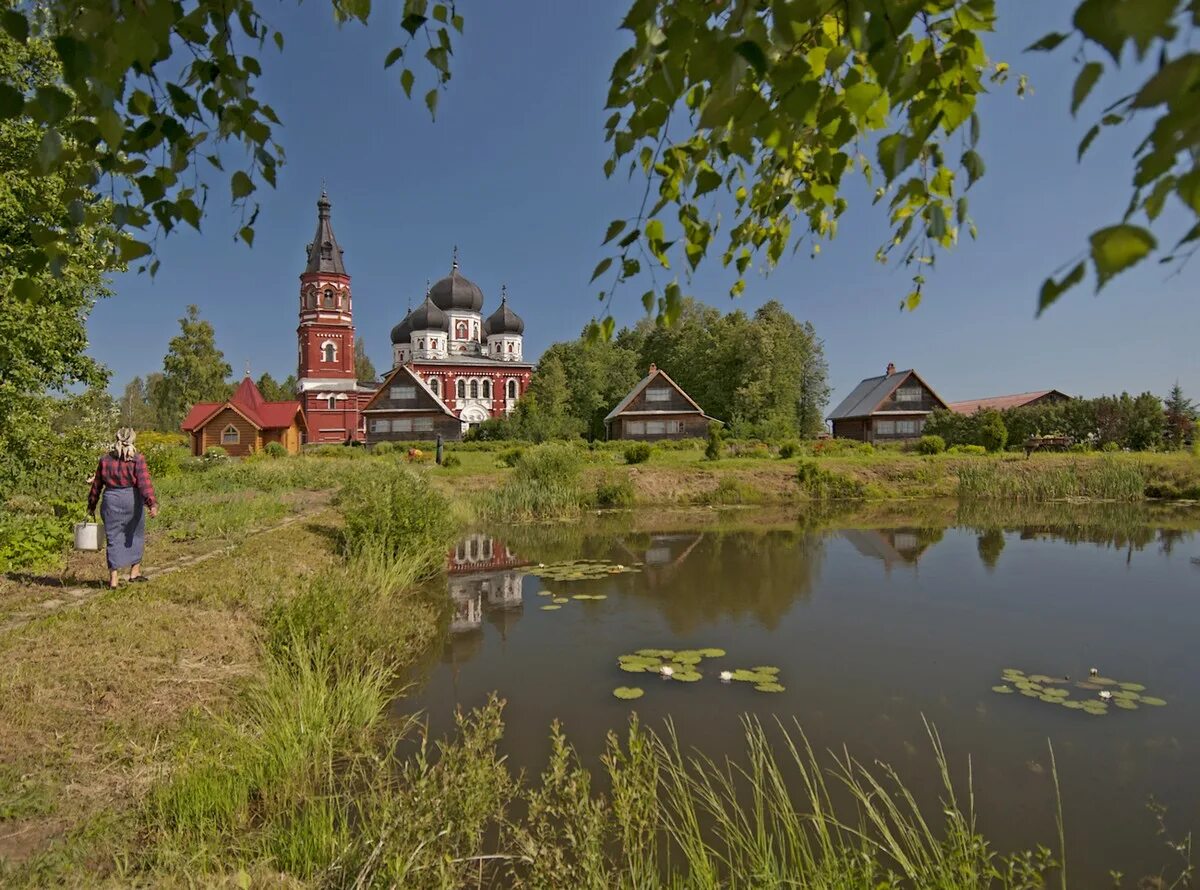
[[511, 173]]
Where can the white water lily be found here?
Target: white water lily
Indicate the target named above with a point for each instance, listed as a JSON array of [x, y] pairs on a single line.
[[666, 670], [726, 676], [1106, 695], [1094, 672]]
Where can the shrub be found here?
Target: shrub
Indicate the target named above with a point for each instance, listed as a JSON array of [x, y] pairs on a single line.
[[511, 457], [713, 448], [383, 447], [638, 452], [993, 434], [163, 461], [931, 445], [1110, 447], [841, 447], [214, 453], [545, 484], [614, 491], [788, 450], [822, 484], [967, 449], [32, 541], [275, 450], [451, 460]]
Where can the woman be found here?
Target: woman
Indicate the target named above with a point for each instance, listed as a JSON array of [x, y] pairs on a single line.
[[125, 480]]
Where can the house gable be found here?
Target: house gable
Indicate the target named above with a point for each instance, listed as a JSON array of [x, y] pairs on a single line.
[[404, 391], [909, 393], [656, 393]]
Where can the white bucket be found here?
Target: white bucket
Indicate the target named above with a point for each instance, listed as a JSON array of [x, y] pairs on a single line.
[[87, 536]]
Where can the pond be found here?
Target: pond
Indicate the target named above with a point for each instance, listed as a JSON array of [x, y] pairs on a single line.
[[876, 622]]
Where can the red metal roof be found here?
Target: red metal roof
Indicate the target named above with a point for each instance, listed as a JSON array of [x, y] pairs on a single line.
[[998, 403], [247, 401]]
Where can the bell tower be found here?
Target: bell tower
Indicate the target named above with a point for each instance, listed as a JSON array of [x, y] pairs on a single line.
[[325, 377]]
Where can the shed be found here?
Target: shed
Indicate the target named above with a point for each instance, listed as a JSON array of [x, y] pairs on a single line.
[[889, 408], [405, 409], [657, 408], [245, 423], [1017, 400]]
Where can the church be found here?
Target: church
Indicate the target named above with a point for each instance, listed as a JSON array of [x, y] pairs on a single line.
[[472, 367]]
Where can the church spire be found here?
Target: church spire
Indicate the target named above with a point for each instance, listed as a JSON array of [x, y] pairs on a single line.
[[324, 255]]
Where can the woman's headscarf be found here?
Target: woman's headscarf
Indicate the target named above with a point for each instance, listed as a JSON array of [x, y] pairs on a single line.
[[123, 449]]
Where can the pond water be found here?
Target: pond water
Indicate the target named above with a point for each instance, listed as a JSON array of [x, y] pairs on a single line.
[[875, 622]]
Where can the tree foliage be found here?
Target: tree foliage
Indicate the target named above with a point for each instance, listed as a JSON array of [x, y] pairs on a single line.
[[364, 369], [1179, 415], [194, 370], [277, 391]]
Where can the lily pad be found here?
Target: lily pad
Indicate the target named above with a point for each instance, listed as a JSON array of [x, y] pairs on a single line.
[[687, 676], [1006, 690], [634, 667], [1073, 704], [765, 669], [1048, 698], [768, 687], [1031, 693], [1151, 700], [628, 692], [746, 676], [712, 652], [656, 653], [1125, 704], [1085, 685], [549, 607], [1132, 687], [1056, 693], [545, 593], [1014, 671], [1126, 695], [1103, 681], [560, 600], [688, 657]]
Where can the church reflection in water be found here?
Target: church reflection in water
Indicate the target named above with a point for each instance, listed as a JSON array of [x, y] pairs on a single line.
[[484, 581]]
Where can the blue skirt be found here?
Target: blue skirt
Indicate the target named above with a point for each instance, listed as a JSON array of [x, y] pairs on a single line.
[[124, 526]]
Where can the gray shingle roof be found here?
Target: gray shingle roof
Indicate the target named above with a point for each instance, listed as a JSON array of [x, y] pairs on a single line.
[[868, 394]]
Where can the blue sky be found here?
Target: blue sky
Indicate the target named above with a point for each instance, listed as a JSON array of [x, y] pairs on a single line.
[[511, 172]]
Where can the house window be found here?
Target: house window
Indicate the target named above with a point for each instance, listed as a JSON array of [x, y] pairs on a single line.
[[423, 424], [402, 425], [403, 393], [462, 388], [329, 352], [885, 427], [487, 389], [331, 403], [908, 394], [656, 427], [380, 426], [512, 389], [328, 299], [906, 427], [474, 389], [658, 394], [635, 427], [230, 435]]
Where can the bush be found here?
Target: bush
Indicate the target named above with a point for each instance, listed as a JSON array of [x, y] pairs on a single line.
[[931, 445], [383, 448], [614, 491], [713, 448], [1110, 447], [788, 450], [214, 453], [163, 461], [822, 484], [33, 541], [511, 457], [966, 449], [993, 434], [451, 460], [841, 447], [275, 450], [638, 452]]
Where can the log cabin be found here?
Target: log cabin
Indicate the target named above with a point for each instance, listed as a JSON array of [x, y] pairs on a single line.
[[245, 423], [889, 408], [657, 408], [406, 409]]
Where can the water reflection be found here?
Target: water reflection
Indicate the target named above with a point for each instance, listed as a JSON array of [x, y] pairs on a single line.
[[483, 580], [893, 547]]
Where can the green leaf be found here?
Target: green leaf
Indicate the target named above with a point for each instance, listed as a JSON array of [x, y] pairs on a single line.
[[752, 53], [393, 57], [707, 179], [1177, 79], [648, 301], [1047, 43], [860, 97], [974, 166], [601, 268], [246, 233], [49, 150], [1116, 248], [614, 229], [912, 301], [132, 249], [11, 102], [240, 184], [431, 101], [15, 24], [406, 81], [1052, 290], [1084, 82], [893, 155], [654, 231], [1095, 19], [1188, 189], [1087, 140]]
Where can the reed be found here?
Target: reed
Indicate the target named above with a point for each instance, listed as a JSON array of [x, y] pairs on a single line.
[[1044, 481], [546, 484]]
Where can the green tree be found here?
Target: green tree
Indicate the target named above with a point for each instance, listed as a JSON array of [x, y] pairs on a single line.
[[993, 434], [274, 391], [363, 369], [134, 406], [1179, 412], [194, 370], [543, 413]]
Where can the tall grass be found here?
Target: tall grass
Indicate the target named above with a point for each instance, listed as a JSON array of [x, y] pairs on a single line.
[[546, 483], [1044, 481]]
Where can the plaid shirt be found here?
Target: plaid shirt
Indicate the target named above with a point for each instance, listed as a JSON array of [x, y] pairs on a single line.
[[115, 473]]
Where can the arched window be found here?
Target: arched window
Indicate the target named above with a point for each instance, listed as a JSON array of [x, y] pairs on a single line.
[[436, 386], [462, 388], [230, 435], [496, 346], [328, 299], [512, 389], [474, 389], [329, 352], [460, 330], [487, 389], [331, 403], [421, 343], [310, 299], [510, 347]]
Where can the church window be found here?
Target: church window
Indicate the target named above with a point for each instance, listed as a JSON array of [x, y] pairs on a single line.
[[230, 435], [460, 330], [495, 347], [421, 343], [658, 394], [436, 386], [487, 389], [462, 388], [328, 299], [331, 403], [512, 389], [311, 299], [510, 347], [329, 352], [403, 393], [474, 389]]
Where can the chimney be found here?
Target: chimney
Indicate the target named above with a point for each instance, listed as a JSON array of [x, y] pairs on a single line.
[[891, 368], [653, 367]]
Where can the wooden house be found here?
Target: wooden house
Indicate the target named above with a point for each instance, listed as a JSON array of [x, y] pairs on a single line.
[[657, 408], [890, 408], [405, 409], [245, 423], [1019, 400]]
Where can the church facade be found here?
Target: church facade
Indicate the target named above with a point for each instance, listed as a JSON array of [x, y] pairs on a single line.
[[474, 366]]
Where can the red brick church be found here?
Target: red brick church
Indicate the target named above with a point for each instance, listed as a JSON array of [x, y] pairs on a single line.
[[473, 366]]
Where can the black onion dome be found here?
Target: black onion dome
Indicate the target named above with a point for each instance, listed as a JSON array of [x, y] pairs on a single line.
[[456, 292], [427, 317], [402, 331], [504, 321]]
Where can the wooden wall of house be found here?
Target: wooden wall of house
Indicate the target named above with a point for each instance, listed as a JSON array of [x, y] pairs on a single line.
[[288, 437], [249, 438], [874, 435], [850, 429], [691, 426], [449, 427], [927, 402], [676, 402]]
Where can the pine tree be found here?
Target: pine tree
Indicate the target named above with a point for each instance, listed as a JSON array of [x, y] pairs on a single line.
[[194, 370], [363, 368], [275, 391], [1179, 415]]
